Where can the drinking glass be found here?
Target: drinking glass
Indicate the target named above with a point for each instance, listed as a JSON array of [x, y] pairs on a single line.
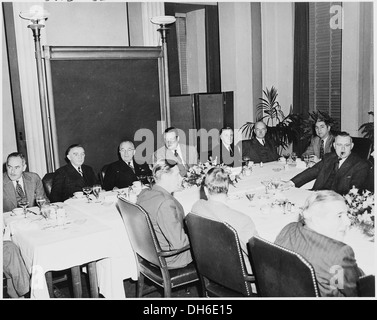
[[266, 183], [246, 160], [23, 203], [41, 200], [294, 156], [276, 182], [150, 180], [250, 196], [286, 156], [87, 190], [307, 159], [96, 191]]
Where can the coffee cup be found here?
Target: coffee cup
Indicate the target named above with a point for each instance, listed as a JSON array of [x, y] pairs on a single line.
[[78, 194]]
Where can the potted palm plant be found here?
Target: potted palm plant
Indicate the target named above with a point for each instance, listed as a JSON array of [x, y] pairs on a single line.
[[282, 130]]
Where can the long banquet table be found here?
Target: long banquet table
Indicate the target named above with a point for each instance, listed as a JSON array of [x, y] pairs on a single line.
[[95, 231], [269, 217]]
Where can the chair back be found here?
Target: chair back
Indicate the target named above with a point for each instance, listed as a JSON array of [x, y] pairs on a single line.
[[217, 254], [280, 272], [366, 286], [362, 147], [140, 231], [102, 174], [47, 183]]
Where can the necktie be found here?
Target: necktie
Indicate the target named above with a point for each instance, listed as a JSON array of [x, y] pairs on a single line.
[[321, 149], [80, 171], [19, 190], [182, 168], [130, 164], [231, 151]]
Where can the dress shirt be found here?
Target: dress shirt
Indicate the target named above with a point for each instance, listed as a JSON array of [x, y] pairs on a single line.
[[261, 141], [21, 182]]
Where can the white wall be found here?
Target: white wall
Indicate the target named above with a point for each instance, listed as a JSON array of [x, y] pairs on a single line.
[[236, 57], [277, 50]]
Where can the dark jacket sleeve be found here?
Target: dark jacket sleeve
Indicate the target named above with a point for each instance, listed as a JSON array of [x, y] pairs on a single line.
[[307, 175], [57, 190]]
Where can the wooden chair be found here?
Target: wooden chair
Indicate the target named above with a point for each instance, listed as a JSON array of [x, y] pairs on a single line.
[[47, 183], [366, 286], [362, 147], [280, 272], [219, 259], [150, 257]]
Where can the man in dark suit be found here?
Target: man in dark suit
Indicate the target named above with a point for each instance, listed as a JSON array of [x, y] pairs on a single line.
[[318, 238], [125, 171], [225, 152], [259, 149], [166, 213], [338, 171], [73, 176], [19, 184]]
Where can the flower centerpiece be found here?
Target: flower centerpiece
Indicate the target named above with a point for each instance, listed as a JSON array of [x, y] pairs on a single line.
[[196, 174], [361, 210]]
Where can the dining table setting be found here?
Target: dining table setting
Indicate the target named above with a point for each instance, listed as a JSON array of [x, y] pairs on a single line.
[[87, 228]]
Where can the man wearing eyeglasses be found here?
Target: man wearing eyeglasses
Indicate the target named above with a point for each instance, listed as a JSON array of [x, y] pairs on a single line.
[[122, 173]]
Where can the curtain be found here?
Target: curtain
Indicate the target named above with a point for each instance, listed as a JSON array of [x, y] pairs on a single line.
[[301, 66]]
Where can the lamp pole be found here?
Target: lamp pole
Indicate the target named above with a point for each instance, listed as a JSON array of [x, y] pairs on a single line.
[[162, 22], [37, 15], [163, 31]]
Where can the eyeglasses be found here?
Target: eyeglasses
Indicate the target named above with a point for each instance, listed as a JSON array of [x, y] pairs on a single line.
[[127, 150]]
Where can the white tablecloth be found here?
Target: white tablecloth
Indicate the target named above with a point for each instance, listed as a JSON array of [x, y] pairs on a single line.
[[270, 220], [95, 232]]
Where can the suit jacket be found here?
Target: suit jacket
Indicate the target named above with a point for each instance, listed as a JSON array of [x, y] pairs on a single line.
[[326, 255], [353, 172], [189, 154], [240, 222], [67, 180], [257, 152], [315, 145], [167, 217], [119, 174], [223, 155], [33, 187]]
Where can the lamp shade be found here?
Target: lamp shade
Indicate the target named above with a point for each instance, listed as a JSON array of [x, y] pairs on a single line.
[[163, 20], [35, 14]]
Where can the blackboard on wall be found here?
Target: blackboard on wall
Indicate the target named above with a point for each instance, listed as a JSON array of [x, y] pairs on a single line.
[[99, 96]]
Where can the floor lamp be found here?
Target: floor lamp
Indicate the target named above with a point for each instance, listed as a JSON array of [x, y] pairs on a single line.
[[163, 21], [37, 17]]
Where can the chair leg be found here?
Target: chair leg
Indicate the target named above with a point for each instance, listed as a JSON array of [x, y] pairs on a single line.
[[76, 282], [140, 286], [93, 283], [50, 286]]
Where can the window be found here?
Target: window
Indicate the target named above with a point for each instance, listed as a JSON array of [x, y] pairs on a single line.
[[325, 61]]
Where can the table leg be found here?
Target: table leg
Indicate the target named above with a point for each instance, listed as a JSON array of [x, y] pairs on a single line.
[[93, 283], [50, 286], [76, 282]]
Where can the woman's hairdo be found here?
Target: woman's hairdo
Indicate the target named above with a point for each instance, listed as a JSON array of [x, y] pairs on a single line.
[[217, 181]]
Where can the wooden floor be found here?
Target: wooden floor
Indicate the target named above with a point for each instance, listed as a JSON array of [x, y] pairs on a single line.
[[62, 290]]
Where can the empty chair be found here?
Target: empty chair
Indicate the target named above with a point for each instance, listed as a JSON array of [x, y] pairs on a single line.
[[218, 257], [47, 183], [366, 286], [362, 147], [280, 272], [151, 258]]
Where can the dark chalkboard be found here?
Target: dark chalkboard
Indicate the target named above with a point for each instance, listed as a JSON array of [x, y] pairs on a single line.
[[101, 96]]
